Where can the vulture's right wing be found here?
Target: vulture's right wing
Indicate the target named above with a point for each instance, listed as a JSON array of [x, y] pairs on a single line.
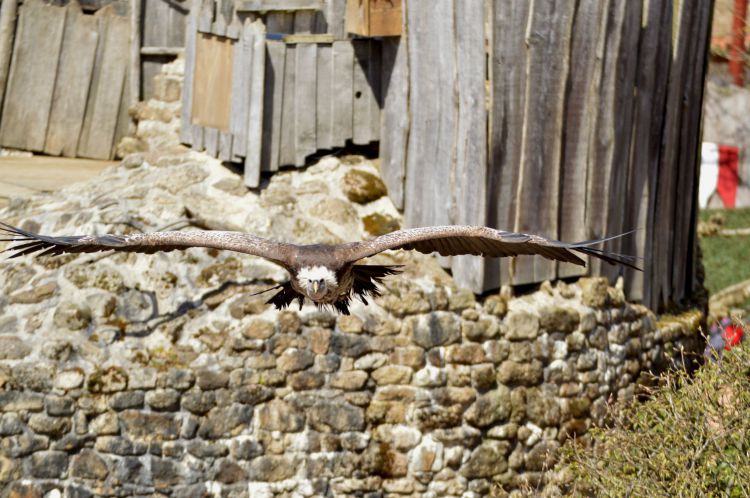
[[148, 243]]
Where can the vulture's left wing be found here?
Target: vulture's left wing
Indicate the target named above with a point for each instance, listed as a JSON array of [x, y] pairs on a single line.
[[149, 243], [481, 241]]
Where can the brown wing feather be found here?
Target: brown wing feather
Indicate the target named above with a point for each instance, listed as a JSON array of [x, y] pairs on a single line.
[[480, 241], [148, 243]]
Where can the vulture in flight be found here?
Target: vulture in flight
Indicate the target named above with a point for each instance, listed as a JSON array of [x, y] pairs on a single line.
[[325, 274]]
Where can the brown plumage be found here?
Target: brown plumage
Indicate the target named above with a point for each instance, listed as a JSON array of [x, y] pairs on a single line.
[[326, 274]]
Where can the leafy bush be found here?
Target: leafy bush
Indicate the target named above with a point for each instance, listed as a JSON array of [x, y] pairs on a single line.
[[691, 438]]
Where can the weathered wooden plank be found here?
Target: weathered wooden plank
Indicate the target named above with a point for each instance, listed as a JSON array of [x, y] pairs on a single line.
[[324, 98], [136, 40], [374, 76], [648, 120], [343, 68], [206, 15], [395, 124], [280, 22], [255, 126], [32, 76], [363, 97], [177, 24], [508, 79], [162, 51], [623, 108], [240, 100], [100, 121], [212, 82], [539, 181], [432, 81], [580, 106], [74, 74], [335, 18], [124, 124], [287, 146], [305, 101], [469, 182], [211, 141], [269, 5], [272, 104], [223, 18], [8, 12], [225, 146], [155, 20], [304, 22], [186, 127], [698, 30]]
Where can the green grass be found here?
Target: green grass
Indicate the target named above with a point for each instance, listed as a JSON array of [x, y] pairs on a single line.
[[726, 259]]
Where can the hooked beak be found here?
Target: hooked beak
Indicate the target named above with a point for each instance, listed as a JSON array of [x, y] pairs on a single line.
[[315, 286]]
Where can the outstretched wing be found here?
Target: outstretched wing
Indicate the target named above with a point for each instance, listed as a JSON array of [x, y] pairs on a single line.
[[149, 243], [481, 241]]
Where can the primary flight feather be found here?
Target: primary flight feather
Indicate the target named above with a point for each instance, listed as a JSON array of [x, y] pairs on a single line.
[[325, 274]]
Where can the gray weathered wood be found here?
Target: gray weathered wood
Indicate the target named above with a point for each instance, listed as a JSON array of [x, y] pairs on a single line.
[[469, 178], [580, 106], [623, 108], [343, 68], [32, 76], [7, 31], [160, 51], [280, 22], [432, 81], [270, 5], [272, 104], [374, 79], [508, 76], [304, 22], [136, 40], [257, 34], [206, 13], [186, 129], [100, 121], [548, 38], [324, 98], [362, 106], [211, 141], [241, 76], [395, 124], [335, 10], [287, 145], [74, 74], [305, 95]]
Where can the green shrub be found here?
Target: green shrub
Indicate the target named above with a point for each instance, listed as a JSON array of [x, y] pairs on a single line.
[[691, 438]]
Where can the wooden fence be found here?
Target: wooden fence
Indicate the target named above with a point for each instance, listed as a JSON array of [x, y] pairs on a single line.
[[67, 91], [591, 129], [292, 87], [575, 119]]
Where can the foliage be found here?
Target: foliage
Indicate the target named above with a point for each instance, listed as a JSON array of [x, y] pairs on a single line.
[[725, 258], [691, 438]]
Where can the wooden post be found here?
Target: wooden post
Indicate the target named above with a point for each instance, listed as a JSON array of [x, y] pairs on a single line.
[[737, 48], [135, 54], [7, 29]]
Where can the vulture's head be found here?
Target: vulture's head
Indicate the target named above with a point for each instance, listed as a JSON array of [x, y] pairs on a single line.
[[317, 281]]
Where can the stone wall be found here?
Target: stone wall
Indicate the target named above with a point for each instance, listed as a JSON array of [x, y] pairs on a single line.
[[439, 396]]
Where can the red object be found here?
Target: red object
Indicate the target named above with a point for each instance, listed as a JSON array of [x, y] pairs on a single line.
[[729, 177], [733, 335], [737, 48]]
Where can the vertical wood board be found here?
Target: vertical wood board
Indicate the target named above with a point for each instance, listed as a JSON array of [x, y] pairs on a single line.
[[75, 72], [32, 75], [257, 34], [272, 104], [107, 88], [395, 125]]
